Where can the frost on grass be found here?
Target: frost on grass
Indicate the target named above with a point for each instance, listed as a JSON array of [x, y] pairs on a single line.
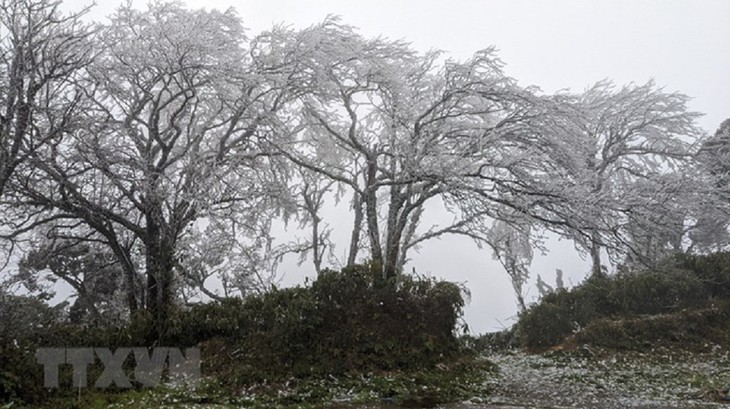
[[600, 379]]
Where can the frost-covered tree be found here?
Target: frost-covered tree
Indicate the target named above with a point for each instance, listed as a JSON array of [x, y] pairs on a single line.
[[513, 249], [631, 147], [171, 145], [400, 130], [313, 192], [43, 52], [710, 232], [188, 140]]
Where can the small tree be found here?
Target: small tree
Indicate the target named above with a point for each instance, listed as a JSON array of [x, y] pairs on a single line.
[[513, 249], [90, 269]]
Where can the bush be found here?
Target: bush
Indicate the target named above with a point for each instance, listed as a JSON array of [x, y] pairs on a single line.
[[24, 320], [692, 329], [344, 321], [713, 270], [682, 282], [31, 325], [491, 342], [408, 323], [20, 381], [545, 326]]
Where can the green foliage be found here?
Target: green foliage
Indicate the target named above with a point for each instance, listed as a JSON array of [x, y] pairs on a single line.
[[32, 324], [693, 329], [491, 342], [20, 381], [681, 282], [345, 321], [713, 270], [24, 319], [545, 325], [458, 381], [25, 315]]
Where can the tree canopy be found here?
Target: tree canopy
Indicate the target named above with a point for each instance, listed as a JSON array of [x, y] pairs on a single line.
[[170, 142]]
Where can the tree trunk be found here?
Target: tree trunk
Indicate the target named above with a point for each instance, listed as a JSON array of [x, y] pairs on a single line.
[[521, 303], [129, 277], [131, 289], [160, 279], [125, 259], [316, 252], [394, 233], [596, 268], [371, 212], [160, 261], [410, 231], [356, 227]]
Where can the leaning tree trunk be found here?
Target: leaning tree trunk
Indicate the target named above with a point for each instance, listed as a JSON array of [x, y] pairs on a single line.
[[129, 271]]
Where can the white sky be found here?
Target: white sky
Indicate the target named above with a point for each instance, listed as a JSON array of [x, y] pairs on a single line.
[[683, 45]]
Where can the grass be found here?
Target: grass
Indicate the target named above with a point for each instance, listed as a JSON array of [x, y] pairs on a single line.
[[584, 376], [426, 388]]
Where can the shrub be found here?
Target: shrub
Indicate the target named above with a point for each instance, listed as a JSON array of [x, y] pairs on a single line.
[[345, 321], [545, 326], [713, 270], [682, 282], [491, 342], [658, 292], [692, 329], [20, 381], [24, 320]]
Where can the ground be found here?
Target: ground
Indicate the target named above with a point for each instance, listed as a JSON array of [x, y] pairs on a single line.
[[583, 377], [600, 379]]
